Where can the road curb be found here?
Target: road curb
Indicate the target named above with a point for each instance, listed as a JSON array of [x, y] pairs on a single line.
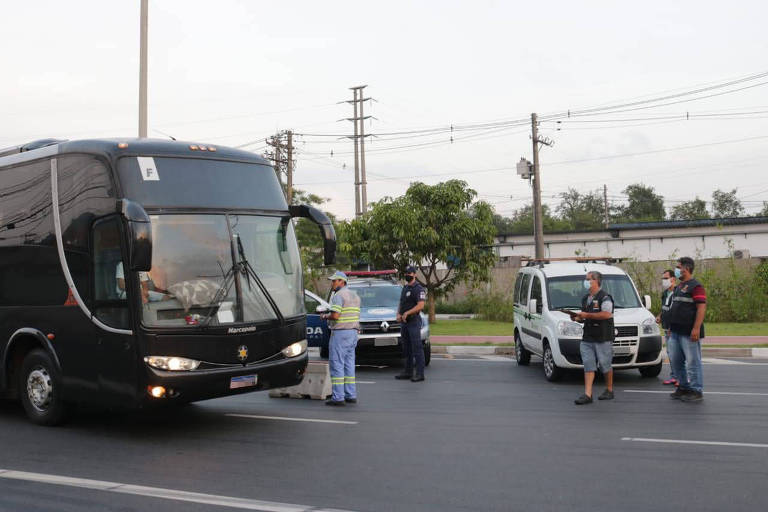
[[489, 350]]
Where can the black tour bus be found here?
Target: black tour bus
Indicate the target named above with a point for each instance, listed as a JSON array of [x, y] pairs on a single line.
[[145, 271]]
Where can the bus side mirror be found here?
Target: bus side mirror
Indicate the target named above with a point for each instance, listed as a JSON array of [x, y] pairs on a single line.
[[139, 235], [326, 228]]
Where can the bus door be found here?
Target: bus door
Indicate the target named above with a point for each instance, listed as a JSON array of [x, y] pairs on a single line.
[[117, 350]]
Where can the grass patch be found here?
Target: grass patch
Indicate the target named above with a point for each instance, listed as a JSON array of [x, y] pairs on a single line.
[[477, 327], [736, 329], [471, 327]]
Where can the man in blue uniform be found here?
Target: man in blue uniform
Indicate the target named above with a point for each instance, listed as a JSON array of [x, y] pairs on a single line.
[[411, 303], [344, 322]]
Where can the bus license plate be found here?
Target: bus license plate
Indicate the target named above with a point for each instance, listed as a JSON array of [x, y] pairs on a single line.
[[244, 381]]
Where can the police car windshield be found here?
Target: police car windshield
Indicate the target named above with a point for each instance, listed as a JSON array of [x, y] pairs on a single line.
[[566, 292], [378, 296]]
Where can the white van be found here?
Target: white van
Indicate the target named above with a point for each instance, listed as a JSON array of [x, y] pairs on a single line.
[[543, 288]]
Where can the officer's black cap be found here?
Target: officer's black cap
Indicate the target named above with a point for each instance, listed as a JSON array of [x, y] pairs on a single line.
[[410, 269]]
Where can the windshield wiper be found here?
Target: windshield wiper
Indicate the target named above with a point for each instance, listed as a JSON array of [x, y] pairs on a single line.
[[247, 269], [223, 291]]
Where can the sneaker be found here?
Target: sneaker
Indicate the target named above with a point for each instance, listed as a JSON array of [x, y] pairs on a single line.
[[670, 381], [606, 395], [678, 394], [583, 399], [335, 403], [403, 376], [693, 396], [417, 378], [351, 400]]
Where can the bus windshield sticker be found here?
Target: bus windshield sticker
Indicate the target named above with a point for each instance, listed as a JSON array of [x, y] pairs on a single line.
[[148, 168]]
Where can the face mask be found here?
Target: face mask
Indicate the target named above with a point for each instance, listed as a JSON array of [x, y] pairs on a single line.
[[665, 283], [587, 284], [409, 278], [678, 273]]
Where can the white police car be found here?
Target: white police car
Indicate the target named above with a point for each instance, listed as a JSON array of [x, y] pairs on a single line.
[[542, 289]]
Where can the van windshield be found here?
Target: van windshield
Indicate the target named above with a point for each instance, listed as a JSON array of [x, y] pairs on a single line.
[[566, 292]]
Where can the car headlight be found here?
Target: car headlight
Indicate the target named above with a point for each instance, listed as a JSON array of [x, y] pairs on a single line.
[[649, 326], [570, 329], [172, 363], [295, 349]]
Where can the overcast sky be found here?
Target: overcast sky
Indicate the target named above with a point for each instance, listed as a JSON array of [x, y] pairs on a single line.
[[232, 72]]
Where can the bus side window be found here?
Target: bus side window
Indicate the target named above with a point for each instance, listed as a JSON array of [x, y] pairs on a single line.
[[110, 304]]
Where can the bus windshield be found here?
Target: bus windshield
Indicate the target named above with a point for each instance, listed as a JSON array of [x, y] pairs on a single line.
[[199, 277], [566, 292]]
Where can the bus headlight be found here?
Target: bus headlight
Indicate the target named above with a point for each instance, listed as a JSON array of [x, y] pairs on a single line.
[[172, 363], [649, 326], [295, 349], [570, 329]]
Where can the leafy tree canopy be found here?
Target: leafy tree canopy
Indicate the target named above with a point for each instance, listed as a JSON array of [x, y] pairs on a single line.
[[430, 226], [644, 205], [581, 211], [726, 204], [695, 209]]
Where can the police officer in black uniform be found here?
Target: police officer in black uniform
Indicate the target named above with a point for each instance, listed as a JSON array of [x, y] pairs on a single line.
[[411, 303], [597, 341]]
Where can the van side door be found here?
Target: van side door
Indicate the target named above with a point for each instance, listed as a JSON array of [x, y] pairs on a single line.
[[523, 316], [536, 319]]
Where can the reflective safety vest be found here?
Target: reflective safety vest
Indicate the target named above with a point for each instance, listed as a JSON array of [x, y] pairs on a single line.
[[346, 303]]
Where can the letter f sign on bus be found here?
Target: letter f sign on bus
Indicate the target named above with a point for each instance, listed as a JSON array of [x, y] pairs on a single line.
[[148, 168]]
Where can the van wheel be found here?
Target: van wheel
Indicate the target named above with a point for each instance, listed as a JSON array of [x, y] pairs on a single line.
[[40, 389], [650, 371], [427, 353], [551, 370], [522, 356]]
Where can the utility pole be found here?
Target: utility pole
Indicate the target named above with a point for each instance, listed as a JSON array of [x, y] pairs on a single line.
[[538, 221], [357, 159], [281, 156], [143, 69], [605, 205], [361, 190], [289, 167]]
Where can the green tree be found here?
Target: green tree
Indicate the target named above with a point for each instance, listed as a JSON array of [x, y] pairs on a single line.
[[310, 241], [764, 211], [431, 226], [644, 205], [581, 211], [690, 210], [726, 204], [521, 221]]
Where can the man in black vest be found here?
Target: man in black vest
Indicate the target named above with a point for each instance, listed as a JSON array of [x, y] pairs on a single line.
[[597, 342], [668, 283], [686, 326]]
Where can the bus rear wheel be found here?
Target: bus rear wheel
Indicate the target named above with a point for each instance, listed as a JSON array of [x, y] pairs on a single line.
[[40, 389]]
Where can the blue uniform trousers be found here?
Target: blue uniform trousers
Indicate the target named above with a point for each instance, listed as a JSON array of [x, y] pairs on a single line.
[[342, 363], [410, 334]]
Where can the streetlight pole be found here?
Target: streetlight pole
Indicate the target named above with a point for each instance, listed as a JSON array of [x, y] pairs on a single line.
[[143, 70]]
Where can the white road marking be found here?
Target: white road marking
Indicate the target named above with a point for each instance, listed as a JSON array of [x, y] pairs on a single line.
[[718, 360], [479, 358], [158, 492], [705, 393], [683, 441], [283, 418], [366, 382]]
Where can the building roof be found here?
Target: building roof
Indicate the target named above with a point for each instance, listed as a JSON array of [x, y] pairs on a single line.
[[676, 224]]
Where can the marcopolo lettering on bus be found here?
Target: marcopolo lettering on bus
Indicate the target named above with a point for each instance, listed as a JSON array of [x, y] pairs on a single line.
[[240, 330]]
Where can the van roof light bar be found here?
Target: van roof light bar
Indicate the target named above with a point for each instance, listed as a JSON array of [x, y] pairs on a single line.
[[370, 273]]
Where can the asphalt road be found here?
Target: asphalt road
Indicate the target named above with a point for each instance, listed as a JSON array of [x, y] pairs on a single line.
[[479, 434]]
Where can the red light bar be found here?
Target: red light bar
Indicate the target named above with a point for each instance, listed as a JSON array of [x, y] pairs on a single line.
[[363, 273]]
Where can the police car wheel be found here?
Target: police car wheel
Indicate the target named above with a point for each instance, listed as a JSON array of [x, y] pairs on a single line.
[[551, 370], [427, 353], [522, 356], [650, 371]]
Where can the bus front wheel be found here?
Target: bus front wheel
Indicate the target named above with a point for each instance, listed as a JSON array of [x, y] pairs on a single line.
[[40, 389]]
